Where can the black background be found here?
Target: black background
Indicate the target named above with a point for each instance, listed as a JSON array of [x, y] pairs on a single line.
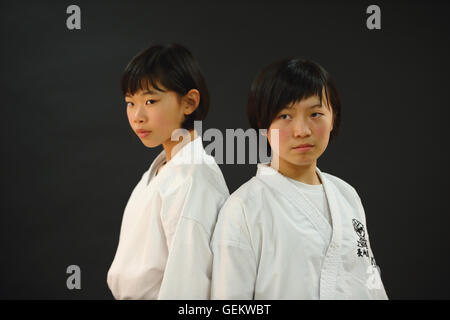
[[70, 160]]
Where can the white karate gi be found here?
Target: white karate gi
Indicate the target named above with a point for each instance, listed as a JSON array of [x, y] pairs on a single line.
[[270, 242], [163, 250]]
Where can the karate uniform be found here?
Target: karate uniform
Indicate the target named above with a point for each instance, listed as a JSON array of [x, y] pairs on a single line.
[[271, 242], [163, 250]]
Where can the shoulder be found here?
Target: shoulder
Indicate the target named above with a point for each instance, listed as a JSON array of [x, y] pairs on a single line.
[[245, 203], [194, 193], [347, 192], [339, 183], [249, 193], [193, 177]]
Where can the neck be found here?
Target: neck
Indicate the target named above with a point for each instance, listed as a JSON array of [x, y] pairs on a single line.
[[304, 173], [171, 147]]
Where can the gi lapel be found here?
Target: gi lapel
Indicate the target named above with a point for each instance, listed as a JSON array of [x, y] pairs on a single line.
[[278, 183], [331, 191], [332, 260], [155, 164]]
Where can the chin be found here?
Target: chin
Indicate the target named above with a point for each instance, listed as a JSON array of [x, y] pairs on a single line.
[[303, 161], [150, 144]]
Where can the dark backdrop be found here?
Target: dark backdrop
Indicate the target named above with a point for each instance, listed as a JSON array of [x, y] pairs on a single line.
[[70, 160]]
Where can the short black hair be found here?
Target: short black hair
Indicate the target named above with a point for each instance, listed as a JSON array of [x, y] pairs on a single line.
[[171, 66], [288, 81]]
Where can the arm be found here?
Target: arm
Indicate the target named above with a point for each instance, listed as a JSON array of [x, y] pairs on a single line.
[[234, 265], [187, 212]]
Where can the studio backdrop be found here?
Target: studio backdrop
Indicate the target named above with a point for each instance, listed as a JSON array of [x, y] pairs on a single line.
[[70, 159]]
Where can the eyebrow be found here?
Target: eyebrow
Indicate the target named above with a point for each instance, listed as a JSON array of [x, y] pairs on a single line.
[[310, 107], [146, 93]]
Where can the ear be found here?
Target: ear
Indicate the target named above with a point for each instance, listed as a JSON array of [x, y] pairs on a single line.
[[191, 101], [332, 122]]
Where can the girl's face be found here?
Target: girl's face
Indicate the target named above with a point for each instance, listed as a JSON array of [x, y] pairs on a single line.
[[304, 131], [157, 113]]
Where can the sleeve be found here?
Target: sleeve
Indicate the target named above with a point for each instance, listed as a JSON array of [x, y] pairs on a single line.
[[234, 264], [138, 265], [187, 212]]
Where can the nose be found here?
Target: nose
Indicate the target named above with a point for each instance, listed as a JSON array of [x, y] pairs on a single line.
[[139, 114], [301, 128]]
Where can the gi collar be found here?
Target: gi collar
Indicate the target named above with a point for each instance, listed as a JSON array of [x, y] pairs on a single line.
[[279, 183], [191, 152]]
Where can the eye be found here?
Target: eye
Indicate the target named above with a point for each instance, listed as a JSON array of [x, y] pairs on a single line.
[[150, 101], [285, 116], [129, 104], [316, 114]]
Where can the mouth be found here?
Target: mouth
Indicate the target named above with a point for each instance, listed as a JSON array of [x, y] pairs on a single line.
[[303, 147], [142, 133]]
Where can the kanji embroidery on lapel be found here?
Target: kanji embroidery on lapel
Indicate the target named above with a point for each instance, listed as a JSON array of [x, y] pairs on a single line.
[[363, 250]]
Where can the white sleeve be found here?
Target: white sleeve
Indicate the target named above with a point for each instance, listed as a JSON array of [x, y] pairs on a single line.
[[234, 264], [187, 274], [138, 265]]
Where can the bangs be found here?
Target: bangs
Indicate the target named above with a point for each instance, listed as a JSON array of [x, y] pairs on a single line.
[[134, 80], [146, 72], [294, 85]]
